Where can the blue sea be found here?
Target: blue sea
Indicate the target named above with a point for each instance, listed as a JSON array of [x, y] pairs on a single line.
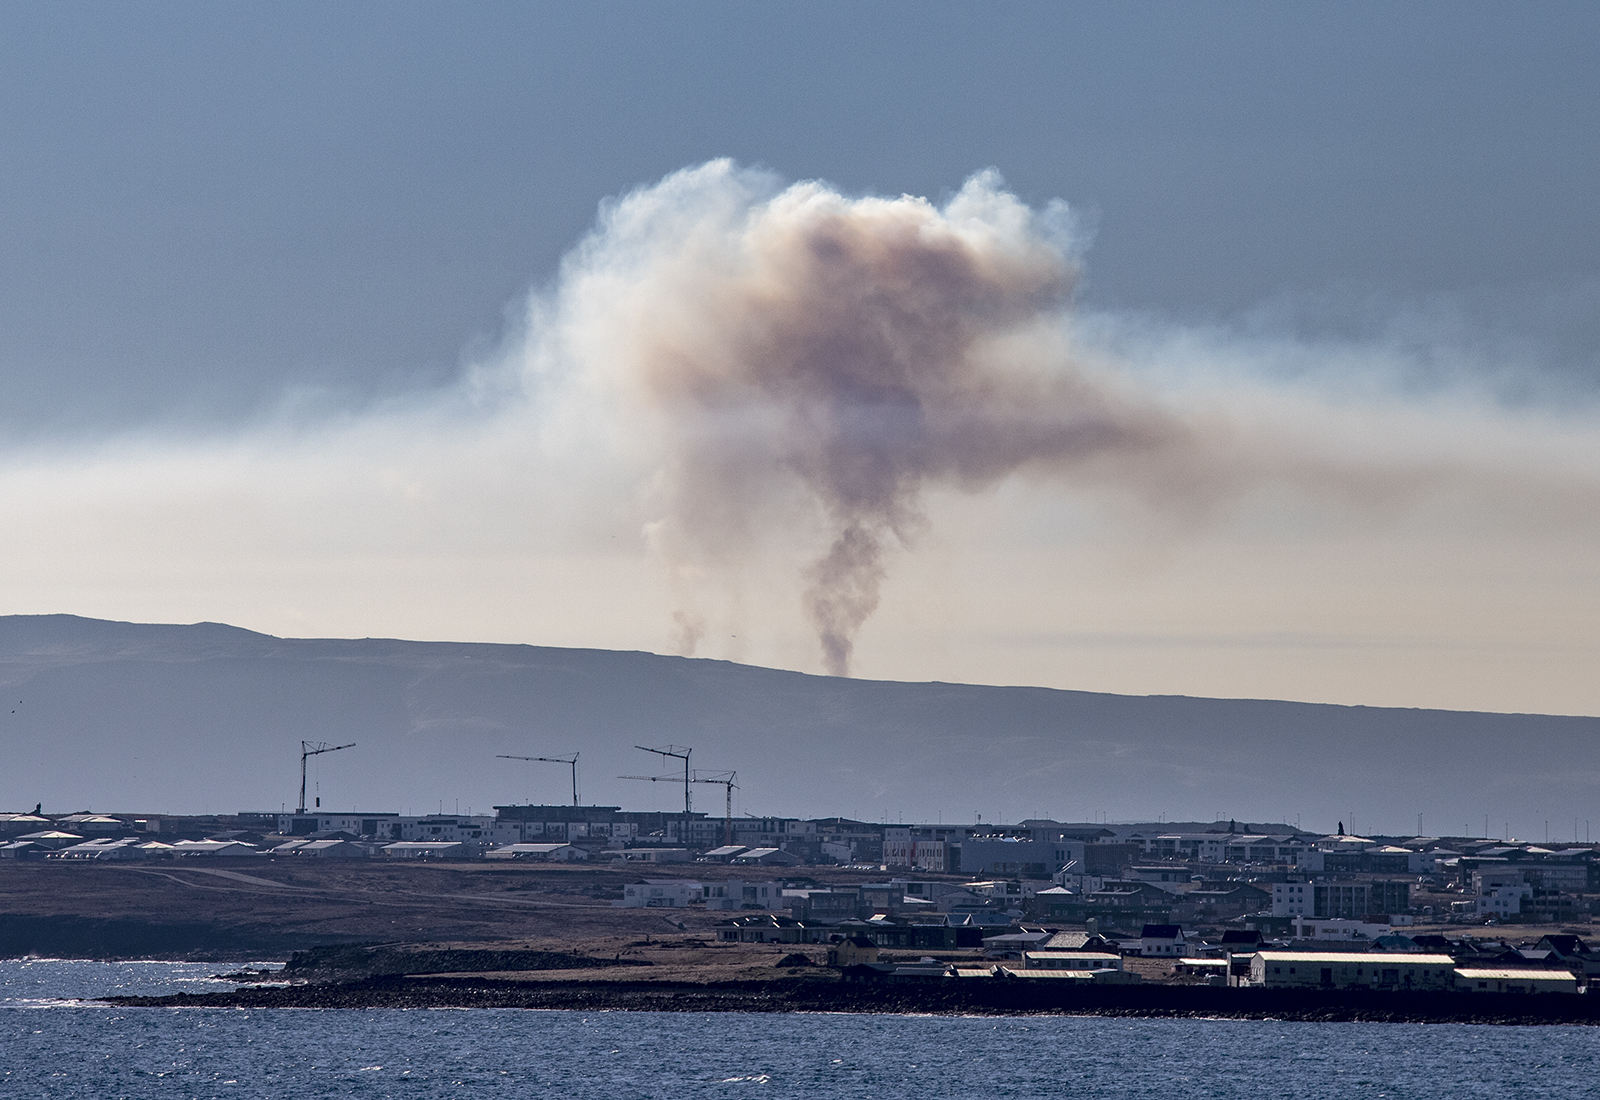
[[55, 1044]]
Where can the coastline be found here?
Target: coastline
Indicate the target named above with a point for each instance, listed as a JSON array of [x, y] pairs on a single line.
[[826, 993]]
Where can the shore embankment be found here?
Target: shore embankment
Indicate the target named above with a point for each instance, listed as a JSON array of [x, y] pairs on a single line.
[[824, 992]]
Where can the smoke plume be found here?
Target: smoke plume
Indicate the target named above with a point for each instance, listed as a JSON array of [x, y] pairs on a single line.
[[864, 350]]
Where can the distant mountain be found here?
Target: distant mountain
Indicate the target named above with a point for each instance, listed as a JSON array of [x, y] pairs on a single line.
[[189, 719]]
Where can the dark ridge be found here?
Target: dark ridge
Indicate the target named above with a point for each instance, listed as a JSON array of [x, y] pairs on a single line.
[[208, 718]]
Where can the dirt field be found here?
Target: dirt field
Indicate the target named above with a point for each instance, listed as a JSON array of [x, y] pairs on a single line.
[[265, 908]]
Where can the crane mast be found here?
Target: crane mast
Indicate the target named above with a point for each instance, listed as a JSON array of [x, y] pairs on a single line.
[[309, 749]]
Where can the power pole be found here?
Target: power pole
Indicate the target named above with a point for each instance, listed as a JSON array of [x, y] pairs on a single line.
[[314, 748], [571, 759]]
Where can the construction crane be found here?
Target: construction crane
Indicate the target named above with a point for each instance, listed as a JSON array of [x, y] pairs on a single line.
[[314, 748], [676, 752], [725, 779], [570, 758]]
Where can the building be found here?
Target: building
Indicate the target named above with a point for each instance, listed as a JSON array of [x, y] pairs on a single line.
[[846, 840], [1293, 899], [92, 823], [734, 894], [1351, 970], [356, 824], [1162, 941], [772, 928], [221, 849], [1070, 960], [771, 857], [1569, 878], [1355, 900], [772, 832], [1503, 902], [853, 951], [1169, 877], [427, 849], [1571, 952], [654, 855], [1471, 979], [542, 853], [724, 853], [560, 824], [661, 894], [327, 849], [103, 848], [822, 904], [1215, 902], [1336, 928], [1013, 857]]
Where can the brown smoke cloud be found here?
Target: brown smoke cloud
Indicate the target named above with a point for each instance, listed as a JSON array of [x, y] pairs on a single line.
[[862, 351]]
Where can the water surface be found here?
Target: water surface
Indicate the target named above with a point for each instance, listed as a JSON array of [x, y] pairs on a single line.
[[54, 1046]]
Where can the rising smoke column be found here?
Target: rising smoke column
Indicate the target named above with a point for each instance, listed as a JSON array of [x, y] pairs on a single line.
[[862, 350]]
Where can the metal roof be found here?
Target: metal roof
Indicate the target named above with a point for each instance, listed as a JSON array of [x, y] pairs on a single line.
[[1070, 955], [1512, 974], [1371, 958]]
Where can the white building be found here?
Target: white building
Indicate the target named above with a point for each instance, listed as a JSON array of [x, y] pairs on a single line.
[[661, 894], [1293, 899], [1163, 941], [735, 894], [1488, 980], [653, 855], [1070, 960], [916, 853], [1503, 901], [551, 853], [1336, 928], [1350, 970]]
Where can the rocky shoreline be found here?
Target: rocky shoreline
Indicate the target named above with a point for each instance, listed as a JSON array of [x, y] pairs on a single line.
[[826, 993]]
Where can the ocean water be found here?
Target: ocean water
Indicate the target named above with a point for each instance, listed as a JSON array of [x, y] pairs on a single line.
[[53, 1045]]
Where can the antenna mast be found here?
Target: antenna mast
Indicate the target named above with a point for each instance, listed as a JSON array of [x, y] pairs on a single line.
[[313, 748]]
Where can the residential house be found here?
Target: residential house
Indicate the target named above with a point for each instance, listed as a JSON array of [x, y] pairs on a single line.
[[1162, 941], [853, 951]]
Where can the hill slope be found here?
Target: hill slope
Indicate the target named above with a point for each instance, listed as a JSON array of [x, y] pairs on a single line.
[[120, 716]]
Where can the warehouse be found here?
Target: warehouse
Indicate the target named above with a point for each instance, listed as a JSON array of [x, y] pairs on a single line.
[[1350, 970]]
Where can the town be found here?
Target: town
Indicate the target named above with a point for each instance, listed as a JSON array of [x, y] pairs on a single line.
[[1223, 903]]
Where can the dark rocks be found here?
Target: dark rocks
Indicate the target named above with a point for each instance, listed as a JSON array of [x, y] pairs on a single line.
[[823, 993], [354, 961]]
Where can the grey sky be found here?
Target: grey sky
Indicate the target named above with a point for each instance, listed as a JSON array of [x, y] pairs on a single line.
[[202, 205]]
